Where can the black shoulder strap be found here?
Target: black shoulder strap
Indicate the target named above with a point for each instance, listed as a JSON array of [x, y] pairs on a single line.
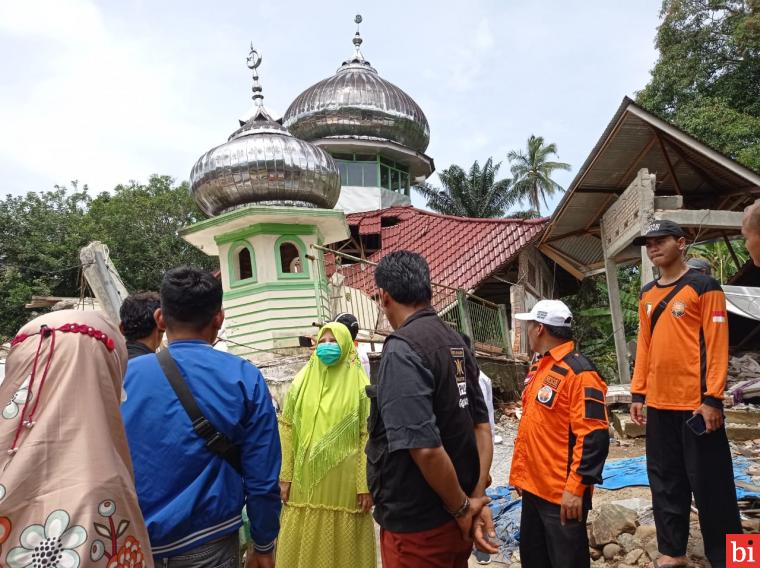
[[664, 304], [215, 441]]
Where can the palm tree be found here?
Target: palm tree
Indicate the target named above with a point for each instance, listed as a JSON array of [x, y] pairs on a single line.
[[473, 194], [532, 172]]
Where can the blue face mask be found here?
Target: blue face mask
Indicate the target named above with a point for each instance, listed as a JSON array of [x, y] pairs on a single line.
[[328, 353]]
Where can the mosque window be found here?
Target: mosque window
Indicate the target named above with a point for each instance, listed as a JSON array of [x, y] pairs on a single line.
[[242, 264], [245, 266], [366, 170], [291, 258]]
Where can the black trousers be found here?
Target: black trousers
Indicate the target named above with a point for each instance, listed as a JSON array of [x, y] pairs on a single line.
[[545, 543], [680, 463]]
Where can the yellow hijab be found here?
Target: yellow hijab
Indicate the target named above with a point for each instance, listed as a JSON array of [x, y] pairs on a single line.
[[327, 407]]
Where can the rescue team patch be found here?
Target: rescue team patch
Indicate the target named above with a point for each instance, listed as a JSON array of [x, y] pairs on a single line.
[[546, 395], [553, 382], [457, 354], [678, 308], [719, 316], [648, 306]]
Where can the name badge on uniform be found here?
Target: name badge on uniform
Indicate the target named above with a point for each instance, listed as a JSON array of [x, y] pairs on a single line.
[[457, 355]]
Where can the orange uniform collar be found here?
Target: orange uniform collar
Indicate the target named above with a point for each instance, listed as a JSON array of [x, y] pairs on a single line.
[[561, 351]]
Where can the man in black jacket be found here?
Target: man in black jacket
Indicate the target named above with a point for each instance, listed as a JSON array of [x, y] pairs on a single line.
[[430, 448], [138, 323]]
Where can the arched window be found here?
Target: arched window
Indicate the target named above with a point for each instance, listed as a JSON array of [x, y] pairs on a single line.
[[291, 258], [245, 265], [242, 264]]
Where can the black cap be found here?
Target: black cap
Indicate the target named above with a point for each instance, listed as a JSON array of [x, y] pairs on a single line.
[[350, 321], [661, 228]]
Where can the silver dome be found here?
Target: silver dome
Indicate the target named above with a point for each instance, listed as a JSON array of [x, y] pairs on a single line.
[[263, 163], [356, 101]]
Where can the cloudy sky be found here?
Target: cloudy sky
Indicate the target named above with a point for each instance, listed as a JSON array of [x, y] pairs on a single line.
[[107, 92]]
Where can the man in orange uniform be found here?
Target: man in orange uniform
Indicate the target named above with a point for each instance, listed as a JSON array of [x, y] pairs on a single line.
[[681, 368], [561, 444]]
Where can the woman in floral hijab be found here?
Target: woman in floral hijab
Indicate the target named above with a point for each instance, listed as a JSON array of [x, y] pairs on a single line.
[[67, 493]]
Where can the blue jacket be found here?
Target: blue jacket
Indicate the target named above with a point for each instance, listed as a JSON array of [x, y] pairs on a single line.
[[189, 495]]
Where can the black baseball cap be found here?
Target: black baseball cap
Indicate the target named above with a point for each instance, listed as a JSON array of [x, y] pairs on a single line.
[[662, 228], [350, 321]]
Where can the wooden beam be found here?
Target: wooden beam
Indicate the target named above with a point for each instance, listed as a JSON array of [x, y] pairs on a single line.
[[732, 251], [667, 160], [680, 136], [599, 212], [702, 173], [564, 262], [565, 235], [612, 190], [635, 162]]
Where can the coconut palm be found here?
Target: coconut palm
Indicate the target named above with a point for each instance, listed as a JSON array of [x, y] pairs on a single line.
[[532, 171], [473, 194]]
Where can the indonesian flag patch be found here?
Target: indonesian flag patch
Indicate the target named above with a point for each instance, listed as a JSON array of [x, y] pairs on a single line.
[[719, 316]]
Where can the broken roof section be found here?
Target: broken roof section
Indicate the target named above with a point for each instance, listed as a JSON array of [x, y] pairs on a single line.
[[636, 139], [462, 252]]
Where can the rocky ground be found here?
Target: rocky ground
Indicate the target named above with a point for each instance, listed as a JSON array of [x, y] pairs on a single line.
[[621, 527]]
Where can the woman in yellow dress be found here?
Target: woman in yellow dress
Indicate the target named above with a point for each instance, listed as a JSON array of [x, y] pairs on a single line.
[[323, 429]]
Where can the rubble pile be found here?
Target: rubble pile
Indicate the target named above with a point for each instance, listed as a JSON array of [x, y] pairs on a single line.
[[743, 383], [625, 536]]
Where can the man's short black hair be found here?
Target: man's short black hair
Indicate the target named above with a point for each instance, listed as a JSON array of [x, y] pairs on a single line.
[[405, 276], [136, 314], [560, 332], [190, 297]]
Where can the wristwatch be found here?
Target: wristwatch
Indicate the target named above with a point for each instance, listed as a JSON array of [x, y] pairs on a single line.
[[462, 511]]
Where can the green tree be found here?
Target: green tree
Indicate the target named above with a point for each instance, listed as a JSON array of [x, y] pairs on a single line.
[[707, 77], [532, 172], [476, 193], [139, 223], [720, 258], [41, 235], [592, 321]]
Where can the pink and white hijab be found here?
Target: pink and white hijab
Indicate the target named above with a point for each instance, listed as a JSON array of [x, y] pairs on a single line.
[[67, 492]]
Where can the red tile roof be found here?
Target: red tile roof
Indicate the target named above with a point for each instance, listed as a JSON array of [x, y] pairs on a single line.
[[462, 252]]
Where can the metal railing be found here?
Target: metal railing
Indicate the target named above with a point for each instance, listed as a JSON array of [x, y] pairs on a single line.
[[349, 286]]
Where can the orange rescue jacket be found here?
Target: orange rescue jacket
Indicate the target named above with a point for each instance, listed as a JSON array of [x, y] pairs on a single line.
[[684, 363], [563, 438]]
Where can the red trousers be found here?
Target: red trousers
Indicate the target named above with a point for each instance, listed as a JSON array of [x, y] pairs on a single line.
[[441, 547]]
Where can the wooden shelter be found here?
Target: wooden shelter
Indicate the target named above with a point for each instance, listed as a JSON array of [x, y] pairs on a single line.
[[641, 169]]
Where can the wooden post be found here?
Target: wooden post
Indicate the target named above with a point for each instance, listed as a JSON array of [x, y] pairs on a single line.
[[504, 324], [616, 311]]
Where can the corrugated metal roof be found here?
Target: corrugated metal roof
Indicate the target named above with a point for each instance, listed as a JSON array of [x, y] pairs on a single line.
[[636, 139]]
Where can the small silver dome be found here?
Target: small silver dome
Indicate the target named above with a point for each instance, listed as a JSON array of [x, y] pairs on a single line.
[[354, 102], [263, 163]]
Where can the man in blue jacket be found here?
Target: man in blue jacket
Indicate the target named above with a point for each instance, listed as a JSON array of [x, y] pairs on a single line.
[[190, 496]]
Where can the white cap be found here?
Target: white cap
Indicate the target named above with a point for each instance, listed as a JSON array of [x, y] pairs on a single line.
[[550, 312]]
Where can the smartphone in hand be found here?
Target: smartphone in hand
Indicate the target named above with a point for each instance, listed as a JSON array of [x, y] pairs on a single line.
[[697, 424]]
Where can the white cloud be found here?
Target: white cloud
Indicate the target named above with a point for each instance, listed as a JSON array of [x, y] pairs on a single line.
[[100, 108]]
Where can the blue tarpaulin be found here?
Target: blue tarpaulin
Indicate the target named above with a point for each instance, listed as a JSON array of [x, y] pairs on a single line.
[[632, 472], [506, 516]]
